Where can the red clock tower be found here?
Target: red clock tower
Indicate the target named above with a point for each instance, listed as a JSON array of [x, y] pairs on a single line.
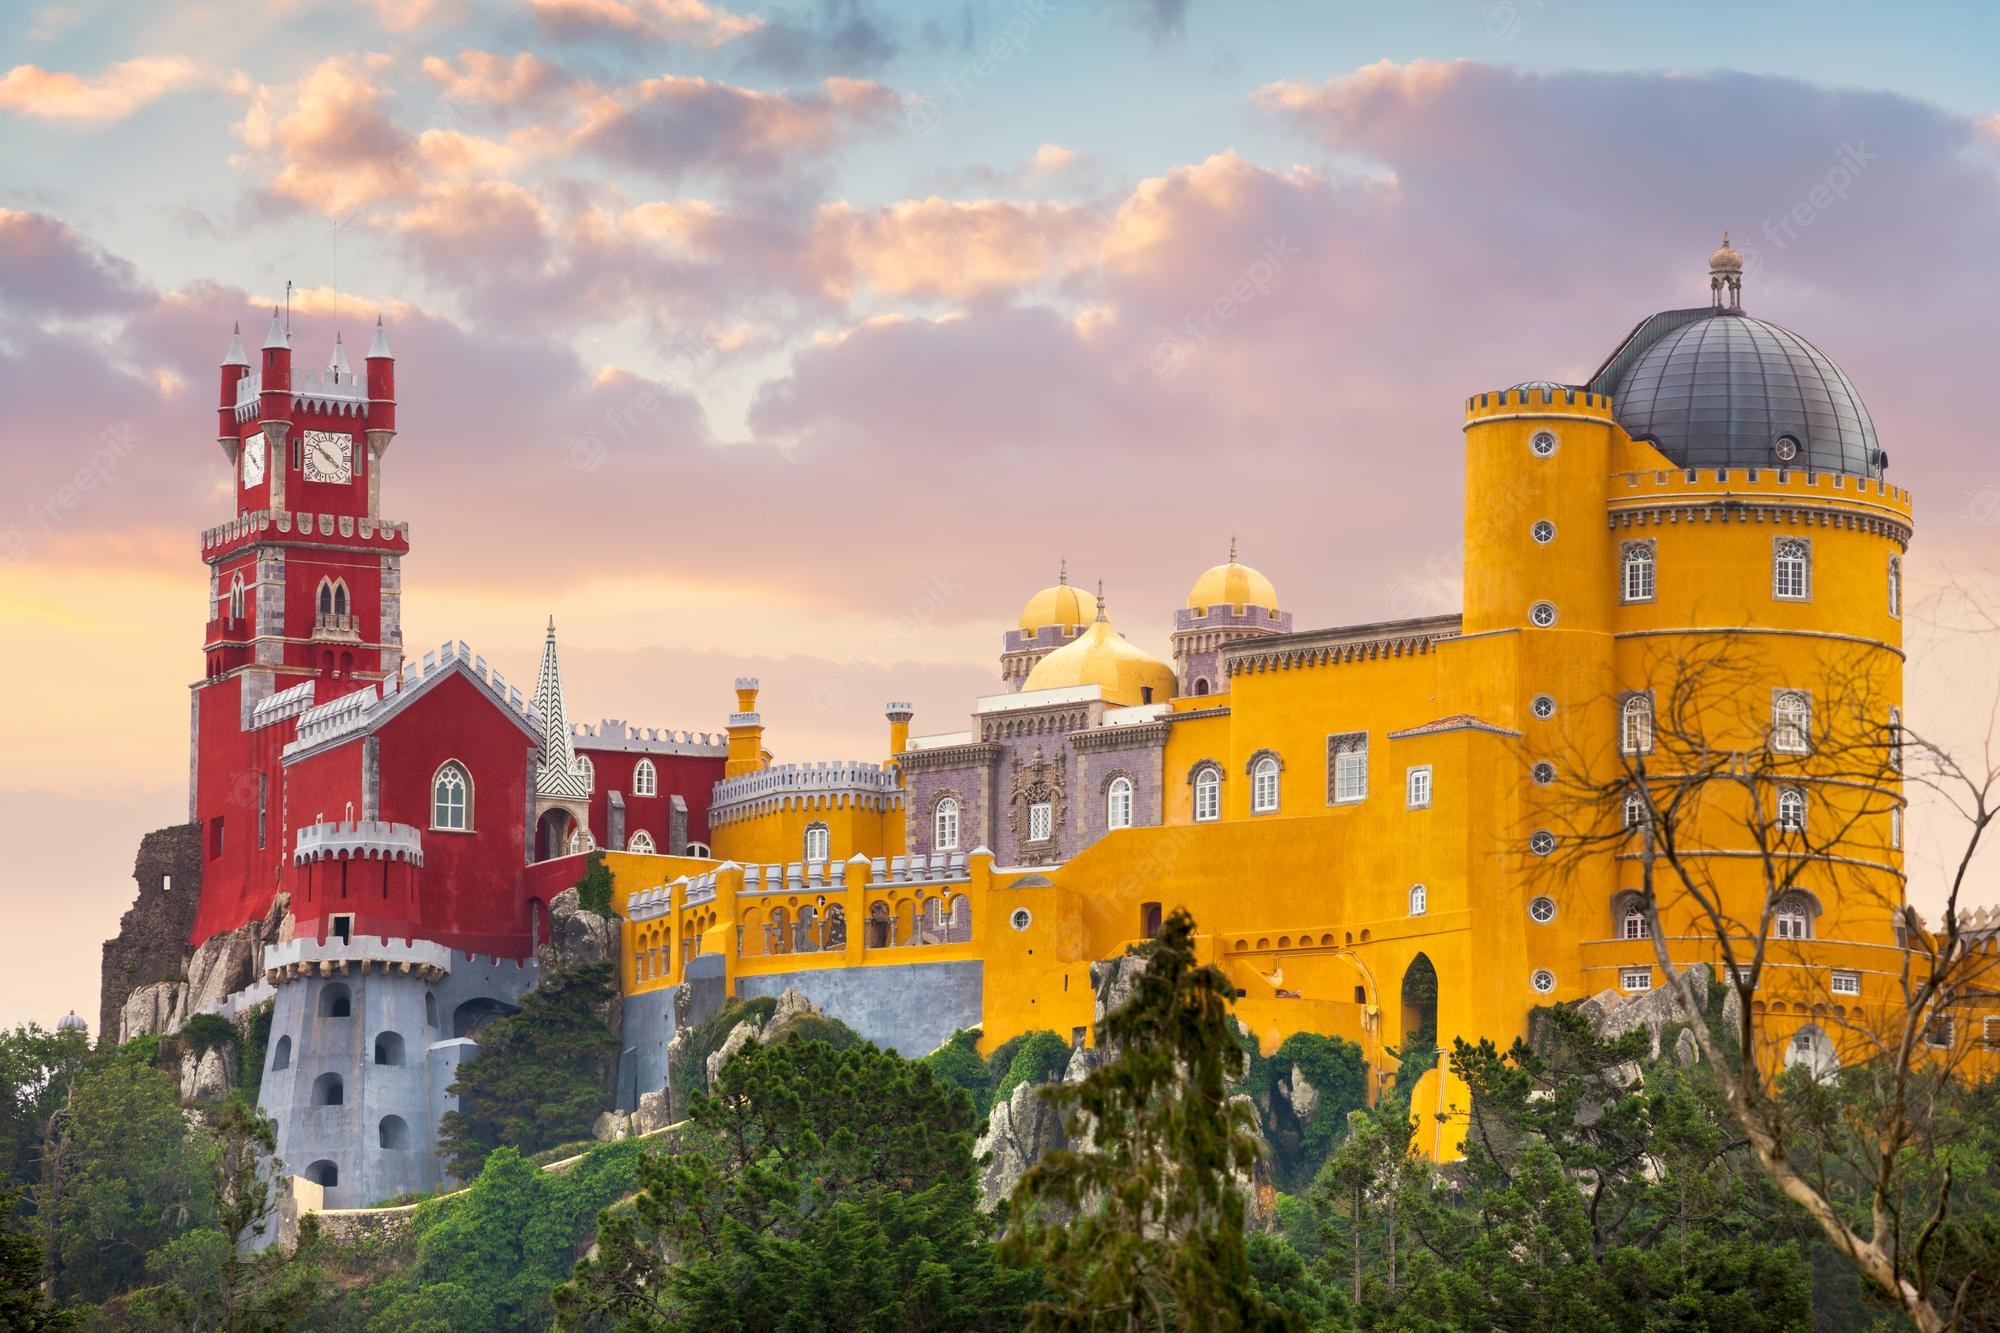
[[305, 588]]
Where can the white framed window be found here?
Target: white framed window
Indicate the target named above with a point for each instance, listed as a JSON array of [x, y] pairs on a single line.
[[1895, 740], [1417, 787], [451, 798], [1791, 922], [1896, 587], [1542, 443], [1896, 828], [1791, 722], [641, 842], [1636, 569], [819, 843], [1791, 810], [1635, 926], [1041, 821], [1264, 786], [1021, 919], [1791, 569], [1991, 1031], [1544, 981], [1846, 983], [588, 769], [1635, 978], [944, 825], [1542, 910], [1635, 809], [581, 840], [645, 779], [1208, 794], [1542, 615], [1347, 767], [1635, 726], [1118, 803], [1418, 899]]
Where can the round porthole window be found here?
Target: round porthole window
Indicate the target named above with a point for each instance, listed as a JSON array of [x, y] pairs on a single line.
[[1543, 981], [1020, 919], [1543, 532], [1541, 842], [1543, 910], [1542, 614], [1543, 442], [1786, 447], [1543, 773], [1544, 706]]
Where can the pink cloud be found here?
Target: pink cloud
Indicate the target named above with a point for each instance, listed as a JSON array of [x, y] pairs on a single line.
[[672, 126], [47, 269], [114, 94], [483, 77], [331, 139], [690, 21]]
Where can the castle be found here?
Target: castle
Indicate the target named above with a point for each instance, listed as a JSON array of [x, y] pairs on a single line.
[[1376, 827]]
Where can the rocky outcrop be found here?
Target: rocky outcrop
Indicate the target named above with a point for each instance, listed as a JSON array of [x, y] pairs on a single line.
[[576, 935], [150, 1011], [652, 1115], [152, 946], [207, 1076], [222, 966], [1018, 1131], [1657, 1011], [739, 1036]]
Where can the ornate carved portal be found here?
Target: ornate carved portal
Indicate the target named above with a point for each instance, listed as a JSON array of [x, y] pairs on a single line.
[[1037, 808]]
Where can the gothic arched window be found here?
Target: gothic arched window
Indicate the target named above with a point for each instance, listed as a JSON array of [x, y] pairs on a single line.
[[451, 798], [645, 779]]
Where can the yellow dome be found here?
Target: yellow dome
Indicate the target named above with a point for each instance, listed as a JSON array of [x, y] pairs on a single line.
[[1100, 656], [1060, 605], [1232, 584]]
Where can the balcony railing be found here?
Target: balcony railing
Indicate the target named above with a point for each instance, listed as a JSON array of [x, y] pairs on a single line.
[[337, 625]]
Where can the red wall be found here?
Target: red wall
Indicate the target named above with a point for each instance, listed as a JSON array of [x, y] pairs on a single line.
[[692, 777], [239, 882]]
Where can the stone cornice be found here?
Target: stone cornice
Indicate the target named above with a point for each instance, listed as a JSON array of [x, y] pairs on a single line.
[[976, 754], [1755, 509], [1357, 643], [1095, 740]]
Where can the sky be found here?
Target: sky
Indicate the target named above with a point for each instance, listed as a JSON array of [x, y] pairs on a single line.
[[805, 340]]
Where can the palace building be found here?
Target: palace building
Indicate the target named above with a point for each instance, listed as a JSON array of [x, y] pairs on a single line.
[[1404, 829]]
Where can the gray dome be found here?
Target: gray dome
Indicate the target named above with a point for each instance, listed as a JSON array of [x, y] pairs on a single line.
[[1716, 388]]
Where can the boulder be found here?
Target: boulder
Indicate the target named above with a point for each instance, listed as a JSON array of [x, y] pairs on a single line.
[[611, 1126], [153, 1010], [207, 1077], [1112, 981], [576, 935], [1652, 1011], [1018, 1131], [739, 1036], [1304, 1095], [792, 1006], [654, 1112], [223, 965], [1686, 1050]]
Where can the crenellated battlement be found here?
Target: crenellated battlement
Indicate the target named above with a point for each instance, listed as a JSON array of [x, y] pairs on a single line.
[[613, 734], [1538, 401], [286, 703], [356, 712], [304, 956], [371, 839], [834, 784], [1756, 482], [260, 523], [800, 877]]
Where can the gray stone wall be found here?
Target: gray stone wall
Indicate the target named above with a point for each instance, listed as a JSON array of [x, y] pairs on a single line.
[[307, 1044], [912, 1008], [152, 940], [1098, 764]]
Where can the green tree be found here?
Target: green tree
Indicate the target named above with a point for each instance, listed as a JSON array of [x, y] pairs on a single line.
[[1139, 1223], [37, 1069], [203, 1278], [125, 1175], [24, 1304], [1365, 1176], [814, 1189], [541, 1076]]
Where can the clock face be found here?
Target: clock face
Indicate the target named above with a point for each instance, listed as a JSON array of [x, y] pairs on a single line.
[[253, 458], [329, 456]]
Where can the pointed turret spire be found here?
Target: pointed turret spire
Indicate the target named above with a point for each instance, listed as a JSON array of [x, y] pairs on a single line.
[[235, 356], [558, 773], [380, 347], [276, 337], [338, 366]]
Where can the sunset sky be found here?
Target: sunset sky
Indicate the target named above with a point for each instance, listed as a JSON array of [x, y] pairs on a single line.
[[803, 340]]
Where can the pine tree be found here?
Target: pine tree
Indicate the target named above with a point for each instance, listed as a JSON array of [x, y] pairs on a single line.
[[1139, 1223]]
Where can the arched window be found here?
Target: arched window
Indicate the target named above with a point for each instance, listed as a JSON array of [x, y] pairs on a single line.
[[281, 1054], [944, 825], [1418, 900], [451, 798], [1118, 803], [959, 930], [393, 1132], [236, 597], [1812, 1050], [588, 769], [1791, 811], [645, 779], [1793, 919], [1895, 740], [581, 840], [323, 1173], [1201, 687], [335, 1002], [1634, 926], [1635, 732], [1791, 569], [326, 597], [1791, 722], [1208, 794], [1896, 586], [1635, 809], [430, 1009], [388, 1048], [1636, 581], [819, 843], [340, 597], [1264, 786], [641, 841], [328, 1090]]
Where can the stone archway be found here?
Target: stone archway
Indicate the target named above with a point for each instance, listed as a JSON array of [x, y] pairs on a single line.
[[1420, 1005]]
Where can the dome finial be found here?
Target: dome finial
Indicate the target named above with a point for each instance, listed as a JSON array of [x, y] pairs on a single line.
[[1062, 572], [1725, 277], [1232, 548], [1100, 602]]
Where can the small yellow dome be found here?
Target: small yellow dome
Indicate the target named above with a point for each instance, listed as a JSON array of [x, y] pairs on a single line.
[[1060, 605], [1728, 259], [1100, 656], [1232, 584]]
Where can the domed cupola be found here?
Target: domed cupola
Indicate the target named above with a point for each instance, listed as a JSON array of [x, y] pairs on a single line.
[[71, 1022], [1229, 601], [1713, 388], [1051, 618], [1125, 673]]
